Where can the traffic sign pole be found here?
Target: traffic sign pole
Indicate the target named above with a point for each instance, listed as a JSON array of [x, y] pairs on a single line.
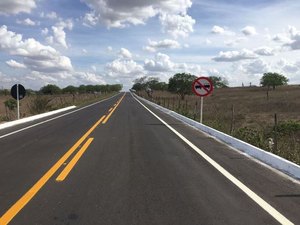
[[18, 101], [201, 110], [202, 87]]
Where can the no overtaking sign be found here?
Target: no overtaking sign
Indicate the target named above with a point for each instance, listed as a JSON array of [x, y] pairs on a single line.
[[202, 86]]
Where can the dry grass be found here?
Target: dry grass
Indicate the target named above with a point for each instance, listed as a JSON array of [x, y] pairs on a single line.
[[252, 110], [28, 104]]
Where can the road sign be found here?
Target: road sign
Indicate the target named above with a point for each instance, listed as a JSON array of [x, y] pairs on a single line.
[[18, 90], [202, 86]]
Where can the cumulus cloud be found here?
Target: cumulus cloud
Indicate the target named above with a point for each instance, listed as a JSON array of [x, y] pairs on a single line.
[[221, 31], [119, 14], [161, 63], [125, 53], [249, 31], [217, 30], [59, 34], [37, 57], [177, 25], [16, 6], [265, 51], [288, 67], [153, 46], [256, 67], [14, 64], [27, 22], [124, 68], [295, 38], [231, 56]]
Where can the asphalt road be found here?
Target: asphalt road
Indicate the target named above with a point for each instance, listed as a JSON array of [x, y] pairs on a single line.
[[130, 168]]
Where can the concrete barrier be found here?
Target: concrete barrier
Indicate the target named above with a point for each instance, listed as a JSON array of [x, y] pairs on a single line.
[[271, 159], [35, 117]]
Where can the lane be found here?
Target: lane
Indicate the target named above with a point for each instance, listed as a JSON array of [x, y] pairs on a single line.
[[136, 171], [26, 156]]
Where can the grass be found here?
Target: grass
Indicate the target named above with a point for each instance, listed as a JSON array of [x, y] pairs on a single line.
[[246, 113], [36, 104]]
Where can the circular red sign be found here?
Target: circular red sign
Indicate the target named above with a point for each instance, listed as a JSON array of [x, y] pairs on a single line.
[[202, 86]]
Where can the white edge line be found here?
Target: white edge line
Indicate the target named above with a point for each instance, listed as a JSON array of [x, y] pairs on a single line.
[[46, 121], [257, 199]]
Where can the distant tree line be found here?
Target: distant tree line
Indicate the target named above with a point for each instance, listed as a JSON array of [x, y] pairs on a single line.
[[52, 89], [180, 83]]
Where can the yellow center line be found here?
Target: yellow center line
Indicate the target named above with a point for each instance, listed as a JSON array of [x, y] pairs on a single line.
[[112, 111], [22, 202], [73, 162]]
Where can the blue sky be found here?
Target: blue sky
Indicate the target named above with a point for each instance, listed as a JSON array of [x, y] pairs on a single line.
[[74, 42]]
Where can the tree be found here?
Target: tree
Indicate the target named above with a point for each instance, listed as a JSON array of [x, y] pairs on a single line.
[[50, 89], [181, 83], [273, 79], [70, 89], [219, 82]]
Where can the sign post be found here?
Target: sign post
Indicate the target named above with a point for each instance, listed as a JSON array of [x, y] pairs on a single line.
[[202, 87], [18, 92]]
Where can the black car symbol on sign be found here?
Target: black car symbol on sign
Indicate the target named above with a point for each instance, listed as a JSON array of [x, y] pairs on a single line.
[[199, 87]]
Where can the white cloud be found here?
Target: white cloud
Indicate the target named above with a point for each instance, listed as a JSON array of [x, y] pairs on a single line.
[[119, 14], [27, 22], [153, 46], [51, 15], [124, 68], [217, 30], [161, 63], [249, 31], [45, 31], [59, 36], [221, 31], [14, 64], [258, 67], [231, 56], [177, 25], [265, 51], [16, 6], [288, 67], [88, 78], [109, 49], [295, 38], [37, 57], [125, 53]]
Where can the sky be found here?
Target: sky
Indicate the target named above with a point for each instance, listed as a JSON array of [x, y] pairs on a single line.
[[75, 42]]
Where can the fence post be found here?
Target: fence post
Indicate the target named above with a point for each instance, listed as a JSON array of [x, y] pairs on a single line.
[[232, 120], [275, 133]]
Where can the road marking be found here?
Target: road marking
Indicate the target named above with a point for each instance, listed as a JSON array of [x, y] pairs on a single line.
[[73, 162], [257, 199], [57, 117], [22, 202], [112, 111]]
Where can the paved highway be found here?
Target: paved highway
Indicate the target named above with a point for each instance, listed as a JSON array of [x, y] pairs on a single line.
[[121, 162]]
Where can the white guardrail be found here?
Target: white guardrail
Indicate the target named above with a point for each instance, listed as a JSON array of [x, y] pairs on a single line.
[[271, 159], [35, 117]]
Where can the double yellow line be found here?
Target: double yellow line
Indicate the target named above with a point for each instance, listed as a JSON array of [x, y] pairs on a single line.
[[22, 202]]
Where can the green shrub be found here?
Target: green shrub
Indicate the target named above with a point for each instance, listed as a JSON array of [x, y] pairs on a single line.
[[39, 104], [251, 136]]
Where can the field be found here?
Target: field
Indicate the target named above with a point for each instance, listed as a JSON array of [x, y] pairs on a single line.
[[35, 104], [247, 113]]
